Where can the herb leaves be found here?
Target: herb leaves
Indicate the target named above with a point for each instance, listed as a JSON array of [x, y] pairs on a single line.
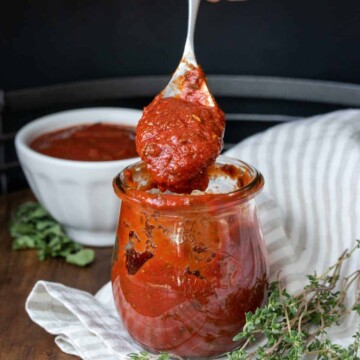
[[32, 227], [296, 326]]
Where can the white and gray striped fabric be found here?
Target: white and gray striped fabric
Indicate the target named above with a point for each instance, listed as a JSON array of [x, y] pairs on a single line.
[[309, 211], [312, 170]]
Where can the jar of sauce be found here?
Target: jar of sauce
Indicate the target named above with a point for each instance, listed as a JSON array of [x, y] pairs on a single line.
[[187, 267]]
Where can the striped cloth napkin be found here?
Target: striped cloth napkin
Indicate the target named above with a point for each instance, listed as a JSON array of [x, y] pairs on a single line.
[[309, 211]]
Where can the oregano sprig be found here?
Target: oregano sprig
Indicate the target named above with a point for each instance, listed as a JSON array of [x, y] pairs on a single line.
[[32, 227]]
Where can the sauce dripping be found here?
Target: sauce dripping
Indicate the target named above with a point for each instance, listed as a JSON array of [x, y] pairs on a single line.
[[179, 138]]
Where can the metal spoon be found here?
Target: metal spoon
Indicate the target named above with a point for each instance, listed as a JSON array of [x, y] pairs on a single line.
[[188, 62]]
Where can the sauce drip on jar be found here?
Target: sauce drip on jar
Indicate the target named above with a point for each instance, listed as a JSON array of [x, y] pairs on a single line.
[[179, 138], [90, 142]]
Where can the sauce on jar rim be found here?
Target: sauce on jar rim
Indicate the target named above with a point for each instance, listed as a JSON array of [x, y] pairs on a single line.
[[88, 142]]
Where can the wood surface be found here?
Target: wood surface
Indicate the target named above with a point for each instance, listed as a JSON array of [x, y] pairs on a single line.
[[20, 338]]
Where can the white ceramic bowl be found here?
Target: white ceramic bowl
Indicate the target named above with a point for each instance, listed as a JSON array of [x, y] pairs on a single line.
[[78, 194]]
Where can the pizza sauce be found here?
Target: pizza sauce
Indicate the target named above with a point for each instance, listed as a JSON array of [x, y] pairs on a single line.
[[186, 268], [88, 142], [189, 259], [179, 138]]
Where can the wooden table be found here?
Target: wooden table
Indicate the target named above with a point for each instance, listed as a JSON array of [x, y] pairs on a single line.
[[20, 338]]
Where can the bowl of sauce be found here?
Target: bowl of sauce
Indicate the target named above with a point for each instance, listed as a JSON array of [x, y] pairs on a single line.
[[69, 160]]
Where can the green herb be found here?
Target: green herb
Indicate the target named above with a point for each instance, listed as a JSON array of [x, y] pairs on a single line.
[[143, 355], [293, 327], [32, 227]]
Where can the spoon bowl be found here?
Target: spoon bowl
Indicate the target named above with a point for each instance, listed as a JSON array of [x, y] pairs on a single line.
[[188, 81]]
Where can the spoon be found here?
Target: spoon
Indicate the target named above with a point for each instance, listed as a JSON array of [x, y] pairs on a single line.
[[179, 84]]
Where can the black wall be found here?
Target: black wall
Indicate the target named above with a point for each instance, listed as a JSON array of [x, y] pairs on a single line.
[[45, 42]]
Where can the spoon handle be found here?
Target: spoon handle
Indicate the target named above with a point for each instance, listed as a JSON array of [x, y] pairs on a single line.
[[189, 44]]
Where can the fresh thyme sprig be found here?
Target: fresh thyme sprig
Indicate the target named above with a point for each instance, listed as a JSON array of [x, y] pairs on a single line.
[[295, 326], [144, 355]]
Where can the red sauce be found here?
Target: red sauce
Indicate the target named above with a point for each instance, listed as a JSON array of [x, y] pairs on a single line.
[[186, 266], [184, 274], [179, 138], [95, 142], [191, 84]]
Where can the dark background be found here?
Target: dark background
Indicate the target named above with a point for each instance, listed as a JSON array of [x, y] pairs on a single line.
[[46, 42], [51, 42]]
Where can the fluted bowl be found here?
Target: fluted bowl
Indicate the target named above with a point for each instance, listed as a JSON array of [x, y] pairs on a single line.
[[78, 194]]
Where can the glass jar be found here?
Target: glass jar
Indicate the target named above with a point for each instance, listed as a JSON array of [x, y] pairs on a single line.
[[186, 268]]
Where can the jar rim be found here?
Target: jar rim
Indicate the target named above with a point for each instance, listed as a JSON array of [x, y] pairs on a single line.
[[191, 202]]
